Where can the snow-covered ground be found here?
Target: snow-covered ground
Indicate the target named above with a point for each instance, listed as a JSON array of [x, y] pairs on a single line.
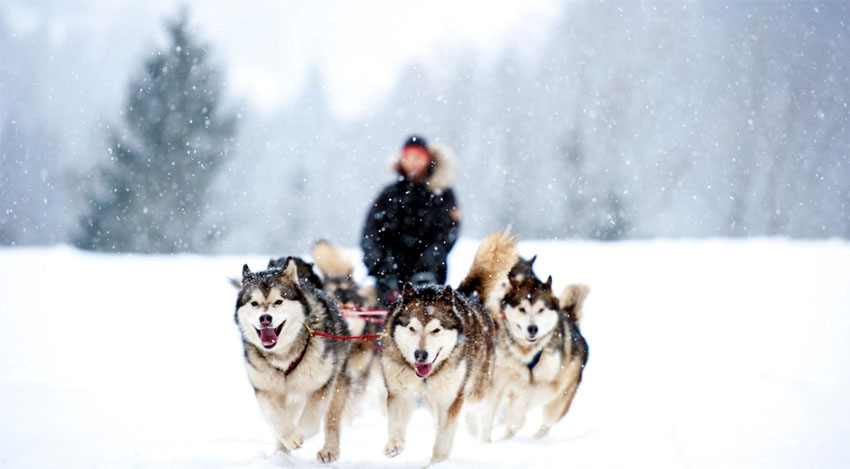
[[702, 354]]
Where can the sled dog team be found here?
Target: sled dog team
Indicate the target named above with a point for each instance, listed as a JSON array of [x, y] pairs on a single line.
[[499, 344]]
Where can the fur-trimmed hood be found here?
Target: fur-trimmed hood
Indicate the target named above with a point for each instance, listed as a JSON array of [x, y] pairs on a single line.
[[442, 176]]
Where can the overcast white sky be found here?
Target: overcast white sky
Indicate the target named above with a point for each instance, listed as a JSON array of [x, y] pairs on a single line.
[[359, 46], [268, 47]]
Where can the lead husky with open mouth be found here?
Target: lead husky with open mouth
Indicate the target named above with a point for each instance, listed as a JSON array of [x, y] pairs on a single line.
[[441, 348], [298, 379]]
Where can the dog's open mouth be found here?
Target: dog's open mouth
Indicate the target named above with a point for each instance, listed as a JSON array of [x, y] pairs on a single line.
[[268, 335], [424, 369], [531, 339]]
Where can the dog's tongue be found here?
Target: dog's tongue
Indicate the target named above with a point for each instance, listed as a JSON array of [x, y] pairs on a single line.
[[268, 336], [423, 369]]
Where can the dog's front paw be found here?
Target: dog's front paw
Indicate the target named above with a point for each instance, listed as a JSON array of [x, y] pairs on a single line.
[[291, 441], [544, 430], [509, 433], [328, 454], [393, 448], [437, 458], [283, 449]]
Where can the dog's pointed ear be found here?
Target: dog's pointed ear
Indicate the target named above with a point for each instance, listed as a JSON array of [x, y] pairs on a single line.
[[407, 291], [531, 262], [290, 271], [246, 274], [548, 284], [448, 294]]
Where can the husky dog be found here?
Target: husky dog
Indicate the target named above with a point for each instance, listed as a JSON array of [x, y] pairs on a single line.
[[541, 353], [304, 269], [522, 270], [338, 281], [491, 294], [338, 277], [298, 379], [440, 348]]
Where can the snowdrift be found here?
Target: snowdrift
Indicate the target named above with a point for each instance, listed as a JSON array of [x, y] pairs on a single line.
[[702, 354]]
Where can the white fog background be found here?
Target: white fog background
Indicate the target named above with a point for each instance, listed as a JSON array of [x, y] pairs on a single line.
[[601, 120]]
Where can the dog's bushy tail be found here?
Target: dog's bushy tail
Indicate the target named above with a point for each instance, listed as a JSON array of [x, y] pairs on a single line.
[[571, 301], [330, 260], [493, 260]]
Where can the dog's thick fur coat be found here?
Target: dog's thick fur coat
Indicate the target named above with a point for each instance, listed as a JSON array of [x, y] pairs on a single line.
[[441, 348], [541, 353], [298, 379]]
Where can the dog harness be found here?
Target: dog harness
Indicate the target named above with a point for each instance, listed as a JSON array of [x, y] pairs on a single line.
[[534, 360], [297, 360]]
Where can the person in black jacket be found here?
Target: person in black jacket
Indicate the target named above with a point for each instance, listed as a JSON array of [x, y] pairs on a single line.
[[413, 223]]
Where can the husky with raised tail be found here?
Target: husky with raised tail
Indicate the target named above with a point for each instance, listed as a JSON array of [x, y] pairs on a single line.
[[441, 348], [541, 352], [298, 379]]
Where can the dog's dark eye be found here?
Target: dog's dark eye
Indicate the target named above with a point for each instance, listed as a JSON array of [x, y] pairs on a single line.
[[254, 303], [412, 329], [278, 302], [435, 330], [521, 309]]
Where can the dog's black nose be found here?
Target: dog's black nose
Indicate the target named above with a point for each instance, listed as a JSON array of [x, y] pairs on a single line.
[[532, 329], [420, 356], [265, 319]]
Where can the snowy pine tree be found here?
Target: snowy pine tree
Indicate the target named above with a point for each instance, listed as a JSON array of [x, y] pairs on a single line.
[[155, 188]]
